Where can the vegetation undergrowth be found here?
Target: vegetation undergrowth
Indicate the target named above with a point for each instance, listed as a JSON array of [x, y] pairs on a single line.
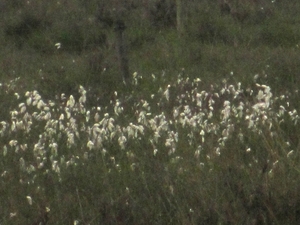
[[206, 132], [183, 154]]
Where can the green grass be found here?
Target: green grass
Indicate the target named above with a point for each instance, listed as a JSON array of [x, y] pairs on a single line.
[[206, 133], [186, 155]]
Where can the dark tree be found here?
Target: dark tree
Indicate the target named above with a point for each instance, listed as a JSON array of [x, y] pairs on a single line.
[[121, 50]]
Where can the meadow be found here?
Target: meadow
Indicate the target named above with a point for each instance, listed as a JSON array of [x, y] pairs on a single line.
[[206, 132], [182, 155]]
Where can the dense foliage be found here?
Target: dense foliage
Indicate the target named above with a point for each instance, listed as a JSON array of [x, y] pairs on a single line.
[[205, 132]]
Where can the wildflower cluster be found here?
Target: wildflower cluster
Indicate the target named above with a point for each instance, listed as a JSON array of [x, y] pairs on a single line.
[[180, 123]]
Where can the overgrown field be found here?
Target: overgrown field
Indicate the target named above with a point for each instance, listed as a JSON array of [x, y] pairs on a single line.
[[205, 132], [181, 155]]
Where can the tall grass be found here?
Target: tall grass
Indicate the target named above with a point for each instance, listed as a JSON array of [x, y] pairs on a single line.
[[216, 144], [183, 154]]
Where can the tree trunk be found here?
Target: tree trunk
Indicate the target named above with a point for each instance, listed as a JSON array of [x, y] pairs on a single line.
[[179, 15], [119, 13], [122, 51]]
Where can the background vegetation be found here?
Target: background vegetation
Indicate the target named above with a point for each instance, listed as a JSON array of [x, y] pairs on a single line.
[[205, 134]]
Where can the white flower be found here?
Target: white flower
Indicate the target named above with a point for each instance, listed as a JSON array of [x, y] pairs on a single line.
[[47, 116], [17, 95], [55, 166], [87, 116], [122, 141], [197, 153], [118, 108], [62, 117], [82, 99], [167, 93], [40, 104], [90, 144], [71, 139], [29, 199], [22, 107], [71, 102], [20, 125], [290, 153], [53, 147], [67, 110], [13, 143], [58, 45], [11, 215]]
